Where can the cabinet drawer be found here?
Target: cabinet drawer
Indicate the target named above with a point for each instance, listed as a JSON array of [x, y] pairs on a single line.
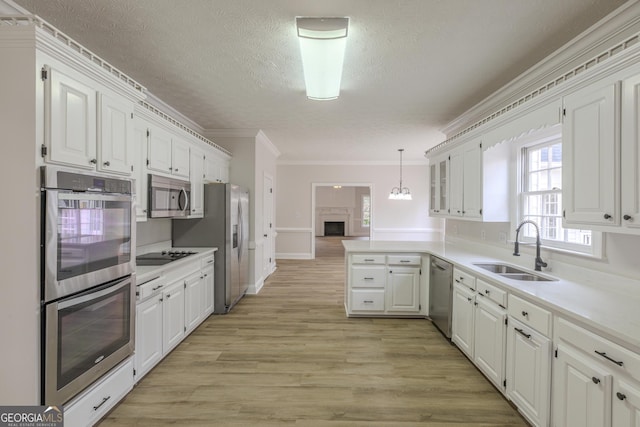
[[607, 352], [530, 314], [150, 287], [207, 261], [367, 300], [495, 294], [368, 277], [464, 278], [367, 259], [404, 259], [99, 399]]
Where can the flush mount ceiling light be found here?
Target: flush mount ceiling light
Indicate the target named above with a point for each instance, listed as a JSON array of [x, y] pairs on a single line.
[[400, 192], [322, 44]]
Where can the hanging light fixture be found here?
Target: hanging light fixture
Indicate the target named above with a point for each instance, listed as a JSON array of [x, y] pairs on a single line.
[[400, 192], [322, 45]]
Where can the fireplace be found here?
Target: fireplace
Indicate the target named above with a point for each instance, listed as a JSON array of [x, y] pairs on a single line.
[[334, 228]]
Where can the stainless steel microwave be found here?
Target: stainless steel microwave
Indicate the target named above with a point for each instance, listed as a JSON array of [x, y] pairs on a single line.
[[168, 197]]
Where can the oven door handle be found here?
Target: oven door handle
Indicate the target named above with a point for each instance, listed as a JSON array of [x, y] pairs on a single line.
[[94, 293], [92, 196]]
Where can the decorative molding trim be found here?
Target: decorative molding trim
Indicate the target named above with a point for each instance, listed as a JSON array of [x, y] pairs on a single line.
[[350, 163], [177, 115], [34, 20], [266, 142], [231, 133], [595, 38], [294, 229], [255, 288], [295, 255]]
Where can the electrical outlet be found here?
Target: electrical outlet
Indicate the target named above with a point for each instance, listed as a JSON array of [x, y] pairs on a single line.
[[502, 237], [483, 235]]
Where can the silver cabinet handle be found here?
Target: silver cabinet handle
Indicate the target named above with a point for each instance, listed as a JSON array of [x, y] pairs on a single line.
[[368, 301]]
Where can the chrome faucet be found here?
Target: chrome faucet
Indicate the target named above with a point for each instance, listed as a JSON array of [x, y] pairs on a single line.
[[516, 249]]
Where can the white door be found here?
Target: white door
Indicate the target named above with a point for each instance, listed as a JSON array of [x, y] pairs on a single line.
[[456, 183], [267, 227], [490, 340], [472, 180], [159, 150], [180, 158], [194, 300], [463, 319], [581, 390], [626, 403], [71, 113], [403, 289], [148, 335], [196, 176], [173, 316], [116, 135], [528, 371], [208, 289], [631, 152], [139, 167], [590, 151]]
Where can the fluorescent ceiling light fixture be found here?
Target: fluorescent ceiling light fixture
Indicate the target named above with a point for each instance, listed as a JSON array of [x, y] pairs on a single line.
[[400, 192], [322, 45]]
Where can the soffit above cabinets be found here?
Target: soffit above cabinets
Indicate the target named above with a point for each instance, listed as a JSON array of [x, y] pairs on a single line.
[[411, 66]]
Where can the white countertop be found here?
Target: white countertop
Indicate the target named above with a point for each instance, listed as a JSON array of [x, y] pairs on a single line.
[[146, 272], [613, 314]]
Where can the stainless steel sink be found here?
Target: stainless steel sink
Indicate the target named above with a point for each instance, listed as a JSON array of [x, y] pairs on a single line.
[[513, 273]]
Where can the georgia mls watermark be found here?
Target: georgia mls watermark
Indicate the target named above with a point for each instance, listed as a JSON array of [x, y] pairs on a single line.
[[31, 416]]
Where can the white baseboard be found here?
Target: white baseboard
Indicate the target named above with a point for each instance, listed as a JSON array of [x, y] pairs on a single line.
[[298, 255]]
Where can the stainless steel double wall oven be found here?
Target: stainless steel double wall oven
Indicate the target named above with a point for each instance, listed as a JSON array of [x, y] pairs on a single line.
[[88, 289]]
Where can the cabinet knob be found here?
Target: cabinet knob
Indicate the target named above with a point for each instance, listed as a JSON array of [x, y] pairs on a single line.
[[93, 161], [469, 299], [595, 380], [621, 396], [487, 291], [176, 169], [107, 163], [525, 314], [627, 217], [607, 216]]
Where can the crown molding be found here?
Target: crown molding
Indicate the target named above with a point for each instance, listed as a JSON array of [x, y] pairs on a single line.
[[266, 142], [177, 115], [351, 163], [610, 30]]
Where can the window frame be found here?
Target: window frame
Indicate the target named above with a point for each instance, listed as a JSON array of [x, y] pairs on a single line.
[[368, 196], [531, 140]]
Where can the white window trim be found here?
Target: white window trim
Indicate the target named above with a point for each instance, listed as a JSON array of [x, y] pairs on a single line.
[[537, 138], [362, 210]]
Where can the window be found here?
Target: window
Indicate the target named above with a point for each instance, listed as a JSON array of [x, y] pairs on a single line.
[[366, 210], [540, 197]]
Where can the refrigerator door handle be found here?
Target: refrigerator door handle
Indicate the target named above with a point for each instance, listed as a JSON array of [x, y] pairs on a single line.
[[240, 231]]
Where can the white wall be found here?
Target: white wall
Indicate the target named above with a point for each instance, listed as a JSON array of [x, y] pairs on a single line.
[[345, 198], [154, 230], [391, 219]]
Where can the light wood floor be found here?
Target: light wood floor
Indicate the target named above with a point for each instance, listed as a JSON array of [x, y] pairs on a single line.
[[290, 356]]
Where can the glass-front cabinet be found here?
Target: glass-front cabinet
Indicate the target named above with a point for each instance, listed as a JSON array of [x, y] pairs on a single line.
[[439, 186]]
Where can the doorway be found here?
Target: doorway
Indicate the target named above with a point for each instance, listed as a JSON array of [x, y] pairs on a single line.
[[340, 211]]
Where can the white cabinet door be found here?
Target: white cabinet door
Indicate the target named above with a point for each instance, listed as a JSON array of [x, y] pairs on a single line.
[[173, 329], [626, 403], [631, 153], [403, 289], [456, 183], [196, 172], [439, 187], [208, 289], [490, 340], [159, 150], [472, 180], [590, 156], [148, 335], [139, 168], [212, 167], [528, 372], [180, 158], [194, 300], [116, 135], [70, 121], [463, 319], [581, 390]]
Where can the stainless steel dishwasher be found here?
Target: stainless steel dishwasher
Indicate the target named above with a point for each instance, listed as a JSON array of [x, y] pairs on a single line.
[[440, 294]]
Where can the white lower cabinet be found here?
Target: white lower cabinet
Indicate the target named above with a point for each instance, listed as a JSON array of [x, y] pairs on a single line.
[[462, 321], [490, 340], [149, 338], [95, 402], [528, 371], [173, 319], [194, 301], [380, 284], [207, 272], [596, 381]]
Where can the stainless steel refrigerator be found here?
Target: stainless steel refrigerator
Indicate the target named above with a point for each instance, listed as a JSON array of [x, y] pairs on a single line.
[[225, 225]]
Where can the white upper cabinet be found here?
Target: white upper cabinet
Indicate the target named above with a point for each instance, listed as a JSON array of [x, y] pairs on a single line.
[[180, 158], [140, 171], [472, 180], [70, 120], [116, 152], [631, 153], [456, 183], [590, 153], [159, 152], [439, 186], [196, 171]]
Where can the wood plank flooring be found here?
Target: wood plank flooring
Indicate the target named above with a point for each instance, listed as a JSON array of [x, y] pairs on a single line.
[[290, 356]]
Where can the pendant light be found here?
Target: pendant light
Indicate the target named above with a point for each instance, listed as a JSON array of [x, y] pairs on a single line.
[[400, 192]]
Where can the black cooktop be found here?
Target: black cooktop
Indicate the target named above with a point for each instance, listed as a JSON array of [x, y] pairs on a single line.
[[161, 258]]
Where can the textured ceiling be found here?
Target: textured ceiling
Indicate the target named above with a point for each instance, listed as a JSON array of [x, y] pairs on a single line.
[[411, 65]]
